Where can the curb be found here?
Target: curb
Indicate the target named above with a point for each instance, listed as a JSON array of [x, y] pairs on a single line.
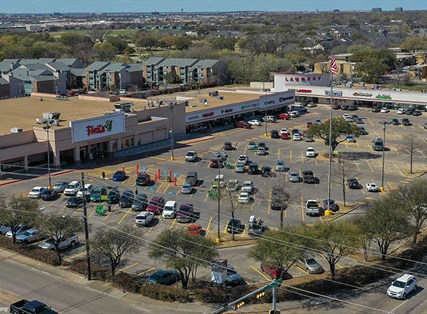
[[230, 243], [204, 139], [10, 182]]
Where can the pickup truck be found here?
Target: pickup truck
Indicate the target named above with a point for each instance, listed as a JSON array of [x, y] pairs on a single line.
[[30, 307], [312, 208], [64, 243]]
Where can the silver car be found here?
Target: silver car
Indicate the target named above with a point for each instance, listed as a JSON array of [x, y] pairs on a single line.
[[294, 177], [310, 265], [187, 188], [240, 167], [280, 166]]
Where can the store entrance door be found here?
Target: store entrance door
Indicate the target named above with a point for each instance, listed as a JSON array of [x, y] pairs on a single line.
[[93, 151]]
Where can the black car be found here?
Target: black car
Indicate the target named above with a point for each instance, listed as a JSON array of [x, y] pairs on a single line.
[[395, 122], [332, 205], [275, 134], [336, 107], [308, 176], [140, 203], [406, 122], [376, 109], [235, 226], [253, 168], [295, 131], [113, 196], [143, 179], [126, 199], [276, 202], [409, 111], [262, 144], [49, 195], [352, 107], [164, 277], [416, 113], [228, 146], [344, 107], [74, 202], [353, 184], [266, 171]]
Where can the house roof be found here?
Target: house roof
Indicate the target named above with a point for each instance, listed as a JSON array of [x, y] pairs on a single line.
[[43, 78], [10, 60], [77, 71], [135, 67], [5, 67], [3, 81], [35, 61], [68, 61], [114, 67], [180, 62], [153, 60], [205, 63], [57, 65], [97, 66]]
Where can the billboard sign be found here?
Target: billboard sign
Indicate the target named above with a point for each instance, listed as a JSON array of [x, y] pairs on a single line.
[[93, 128]]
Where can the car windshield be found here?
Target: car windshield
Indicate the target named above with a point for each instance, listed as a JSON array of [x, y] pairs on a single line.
[[399, 284], [184, 209], [311, 261], [190, 154], [72, 186]]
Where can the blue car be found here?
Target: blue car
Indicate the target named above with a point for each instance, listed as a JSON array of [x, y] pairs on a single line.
[[119, 176], [164, 277]]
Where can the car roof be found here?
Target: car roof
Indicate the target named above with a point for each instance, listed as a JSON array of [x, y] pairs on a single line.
[[405, 277], [73, 182], [170, 203]]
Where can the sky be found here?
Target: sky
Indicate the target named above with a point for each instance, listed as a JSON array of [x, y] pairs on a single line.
[[64, 6]]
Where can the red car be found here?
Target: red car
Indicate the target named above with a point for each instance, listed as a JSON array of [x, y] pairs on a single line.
[[309, 124], [156, 205], [283, 116], [243, 124], [285, 136], [194, 229], [275, 272], [215, 163]]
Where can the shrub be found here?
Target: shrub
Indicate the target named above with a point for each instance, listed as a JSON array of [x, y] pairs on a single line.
[[165, 293], [98, 271], [128, 282], [218, 294]]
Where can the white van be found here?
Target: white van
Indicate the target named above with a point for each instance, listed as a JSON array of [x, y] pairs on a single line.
[[169, 211], [270, 119]]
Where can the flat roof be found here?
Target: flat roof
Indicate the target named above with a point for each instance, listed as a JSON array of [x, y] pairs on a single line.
[[230, 96], [22, 112]]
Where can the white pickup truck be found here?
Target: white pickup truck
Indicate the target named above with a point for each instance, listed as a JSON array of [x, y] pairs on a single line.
[[64, 243], [312, 208]]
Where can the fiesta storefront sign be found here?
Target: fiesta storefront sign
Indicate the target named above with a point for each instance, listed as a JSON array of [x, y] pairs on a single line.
[[89, 129]]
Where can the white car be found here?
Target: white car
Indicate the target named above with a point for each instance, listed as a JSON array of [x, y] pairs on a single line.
[[191, 156], [284, 131], [384, 110], [401, 111], [280, 166], [233, 185], [255, 122], [243, 159], [89, 189], [244, 198], [296, 137], [218, 181], [350, 139], [294, 114], [345, 116], [252, 145], [310, 152], [402, 286], [240, 167], [169, 210], [247, 186], [144, 218], [36, 191], [372, 187], [72, 188], [294, 177]]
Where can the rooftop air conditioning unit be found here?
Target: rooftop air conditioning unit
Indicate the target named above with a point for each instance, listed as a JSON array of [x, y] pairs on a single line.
[[15, 130], [51, 115], [54, 122], [41, 121]]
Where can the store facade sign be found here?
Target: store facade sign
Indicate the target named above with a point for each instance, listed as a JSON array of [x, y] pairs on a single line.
[[305, 91], [334, 93], [383, 96], [94, 128], [362, 94]]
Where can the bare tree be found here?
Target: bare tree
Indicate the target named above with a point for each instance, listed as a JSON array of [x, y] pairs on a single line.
[[97, 34], [410, 145], [229, 201], [341, 174]]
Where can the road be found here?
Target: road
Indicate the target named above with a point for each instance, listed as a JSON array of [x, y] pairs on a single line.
[[18, 281]]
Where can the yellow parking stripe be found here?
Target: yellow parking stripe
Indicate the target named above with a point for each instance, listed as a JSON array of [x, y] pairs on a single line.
[[127, 213], [172, 224], [74, 256], [146, 271], [209, 225], [127, 267], [261, 273]]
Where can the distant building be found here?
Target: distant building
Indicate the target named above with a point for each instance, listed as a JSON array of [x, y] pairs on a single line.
[[34, 28], [377, 9], [398, 9]]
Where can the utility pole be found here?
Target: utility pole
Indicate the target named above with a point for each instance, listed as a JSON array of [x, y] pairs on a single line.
[[89, 273], [219, 204]]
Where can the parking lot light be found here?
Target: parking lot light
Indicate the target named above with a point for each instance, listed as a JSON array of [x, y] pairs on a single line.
[[382, 168]]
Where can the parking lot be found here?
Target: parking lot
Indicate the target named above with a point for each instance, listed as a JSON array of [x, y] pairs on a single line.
[[366, 166]]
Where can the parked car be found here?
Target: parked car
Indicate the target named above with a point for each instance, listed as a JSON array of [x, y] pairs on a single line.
[[185, 213], [353, 184], [140, 203], [406, 122], [372, 187], [243, 124], [376, 109], [194, 229], [402, 286], [192, 178], [310, 152], [221, 156], [144, 219], [362, 130], [253, 168], [218, 181], [252, 145], [240, 167], [119, 176], [276, 202], [36, 191], [113, 196], [215, 163], [275, 272], [262, 151], [60, 186], [235, 226], [312, 208], [4, 229], [350, 139], [294, 114], [21, 229], [308, 176], [266, 171], [280, 166], [400, 111], [49, 195], [255, 122], [191, 156], [294, 177], [63, 243], [310, 265], [126, 199], [285, 136], [244, 198], [30, 307], [187, 188], [29, 236], [394, 122], [332, 205], [247, 186], [384, 110], [143, 179], [269, 119], [233, 185], [89, 189], [296, 137], [169, 210], [359, 121], [228, 146], [156, 205], [274, 134], [243, 159], [417, 113], [72, 188], [284, 116], [74, 202], [164, 277]]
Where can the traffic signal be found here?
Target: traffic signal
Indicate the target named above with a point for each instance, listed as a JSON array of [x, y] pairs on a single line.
[[260, 295], [239, 305]]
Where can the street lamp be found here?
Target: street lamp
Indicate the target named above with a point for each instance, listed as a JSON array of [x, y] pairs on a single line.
[[46, 128], [219, 204], [172, 157], [382, 169]]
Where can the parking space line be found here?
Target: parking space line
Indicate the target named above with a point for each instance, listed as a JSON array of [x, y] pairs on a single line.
[[369, 165], [421, 152], [146, 271], [340, 266], [302, 157], [290, 155], [127, 267], [108, 215], [91, 214], [302, 209], [127, 213], [398, 168], [209, 225], [68, 258], [244, 230], [260, 272], [172, 224], [206, 198], [225, 229], [301, 269]]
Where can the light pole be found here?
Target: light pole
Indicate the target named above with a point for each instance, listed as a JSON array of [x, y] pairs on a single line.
[[172, 157], [219, 204], [382, 168], [46, 128]]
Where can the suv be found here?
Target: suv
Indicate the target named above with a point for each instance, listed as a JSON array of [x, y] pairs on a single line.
[[169, 211], [191, 178], [185, 213], [402, 286], [228, 146], [269, 119], [156, 205], [308, 176], [378, 144], [191, 156], [312, 208], [72, 188], [143, 179]]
